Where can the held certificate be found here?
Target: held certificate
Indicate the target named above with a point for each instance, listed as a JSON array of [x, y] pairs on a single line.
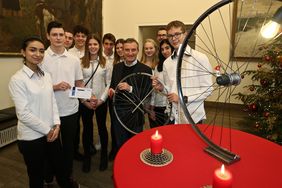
[[80, 92]]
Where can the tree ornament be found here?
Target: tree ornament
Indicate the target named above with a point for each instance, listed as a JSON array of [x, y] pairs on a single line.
[[252, 107], [266, 114], [267, 58], [263, 82]]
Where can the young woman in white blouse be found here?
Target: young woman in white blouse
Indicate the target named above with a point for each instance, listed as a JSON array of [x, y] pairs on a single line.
[[93, 63], [38, 119]]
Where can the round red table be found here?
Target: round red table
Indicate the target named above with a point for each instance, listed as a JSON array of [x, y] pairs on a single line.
[[260, 165]]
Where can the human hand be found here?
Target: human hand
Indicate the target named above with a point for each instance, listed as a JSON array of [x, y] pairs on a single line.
[[62, 86], [124, 86], [172, 97], [156, 84], [111, 92], [53, 133], [93, 102]]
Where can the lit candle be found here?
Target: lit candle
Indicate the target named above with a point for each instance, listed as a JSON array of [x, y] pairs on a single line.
[[156, 143], [222, 178]]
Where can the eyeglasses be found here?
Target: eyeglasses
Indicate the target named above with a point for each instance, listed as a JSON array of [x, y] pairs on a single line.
[[176, 35]]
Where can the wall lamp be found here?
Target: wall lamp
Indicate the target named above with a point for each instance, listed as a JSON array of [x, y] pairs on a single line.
[[271, 28]]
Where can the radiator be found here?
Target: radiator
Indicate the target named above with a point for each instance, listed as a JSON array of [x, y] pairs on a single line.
[[8, 136]]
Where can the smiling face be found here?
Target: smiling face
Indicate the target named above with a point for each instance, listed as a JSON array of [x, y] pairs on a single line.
[[166, 50], [149, 49], [79, 40], [33, 53], [93, 46], [130, 52], [119, 49], [176, 36]]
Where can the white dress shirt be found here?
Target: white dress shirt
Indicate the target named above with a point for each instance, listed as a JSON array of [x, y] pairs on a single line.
[[196, 85], [35, 103], [64, 67], [159, 99], [101, 80], [76, 52]]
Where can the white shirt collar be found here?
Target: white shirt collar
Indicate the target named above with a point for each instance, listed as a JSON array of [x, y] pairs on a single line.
[[132, 64], [109, 57], [52, 53]]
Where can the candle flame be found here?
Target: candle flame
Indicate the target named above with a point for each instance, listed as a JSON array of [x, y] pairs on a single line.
[[222, 170], [157, 133]]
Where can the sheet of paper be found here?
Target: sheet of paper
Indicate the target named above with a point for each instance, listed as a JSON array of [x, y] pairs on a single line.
[[80, 92]]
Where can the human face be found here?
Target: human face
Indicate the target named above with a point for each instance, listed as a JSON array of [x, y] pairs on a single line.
[[149, 49], [175, 36], [33, 53], [56, 37], [166, 50], [108, 47], [161, 35], [119, 49], [68, 39], [93, 46], [79, 40], [130, 51]]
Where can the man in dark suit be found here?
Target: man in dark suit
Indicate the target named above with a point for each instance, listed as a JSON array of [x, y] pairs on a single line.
[[120, 71]]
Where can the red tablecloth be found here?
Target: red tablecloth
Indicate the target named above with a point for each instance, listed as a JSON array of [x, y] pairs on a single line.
[[260, 165]]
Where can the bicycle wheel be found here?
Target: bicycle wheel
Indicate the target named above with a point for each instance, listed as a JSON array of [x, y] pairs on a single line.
[[213, 35], [131, 108]]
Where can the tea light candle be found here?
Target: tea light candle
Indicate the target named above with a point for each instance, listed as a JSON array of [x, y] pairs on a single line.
[[156, 143], [222, 178]]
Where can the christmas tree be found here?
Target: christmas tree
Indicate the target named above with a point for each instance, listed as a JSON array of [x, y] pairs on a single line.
[[263, 99]]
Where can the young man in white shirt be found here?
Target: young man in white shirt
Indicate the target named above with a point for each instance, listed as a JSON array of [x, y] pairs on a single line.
[[66, 73], [108, 45], [68, 40], [198, 83], [79, 35], [108, 52]]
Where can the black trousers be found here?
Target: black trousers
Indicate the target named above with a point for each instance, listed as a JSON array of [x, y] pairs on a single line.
[[68, 132], [77, 135], [36, 153], [161, 117], [87, 120], [112, 116]]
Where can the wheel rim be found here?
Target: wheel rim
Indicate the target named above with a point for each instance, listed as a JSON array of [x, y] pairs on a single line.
[[131, 109], [227, 73]]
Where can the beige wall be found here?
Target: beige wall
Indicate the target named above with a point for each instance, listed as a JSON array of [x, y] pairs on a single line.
[[8, 67], [123, 18]]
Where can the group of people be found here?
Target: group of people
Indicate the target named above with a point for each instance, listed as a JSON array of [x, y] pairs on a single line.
[[49, 120]]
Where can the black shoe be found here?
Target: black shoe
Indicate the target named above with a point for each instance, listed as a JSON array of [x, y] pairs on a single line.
[[78, 156], [93, 150], [86, 166]]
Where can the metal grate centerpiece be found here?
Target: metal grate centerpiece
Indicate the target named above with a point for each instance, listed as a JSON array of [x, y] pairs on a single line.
[[156, 160]]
